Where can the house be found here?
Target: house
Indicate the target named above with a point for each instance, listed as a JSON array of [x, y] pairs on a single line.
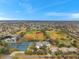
[[10, 40], [40, 44]]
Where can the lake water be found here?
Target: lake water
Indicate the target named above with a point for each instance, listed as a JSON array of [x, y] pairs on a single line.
[[21, 46]]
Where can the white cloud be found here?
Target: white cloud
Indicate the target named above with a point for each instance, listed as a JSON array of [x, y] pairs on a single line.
[[26, 6], [5, 1], [1, 13], [65, 15], [75, 15], [53, 4], [7, 18], [4, 18], [56, 14], [17, 11], [29, 8]]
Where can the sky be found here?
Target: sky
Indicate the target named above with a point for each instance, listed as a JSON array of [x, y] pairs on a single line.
[[39, 10]]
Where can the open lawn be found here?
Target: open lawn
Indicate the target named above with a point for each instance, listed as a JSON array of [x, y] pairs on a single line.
[[34, 35], [56, 35]]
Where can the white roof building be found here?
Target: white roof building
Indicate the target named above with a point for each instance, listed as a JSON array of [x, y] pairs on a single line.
[[10, 40]]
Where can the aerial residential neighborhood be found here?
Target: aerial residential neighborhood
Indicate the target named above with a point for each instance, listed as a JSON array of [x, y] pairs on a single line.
[[39, 29], [39, 38]]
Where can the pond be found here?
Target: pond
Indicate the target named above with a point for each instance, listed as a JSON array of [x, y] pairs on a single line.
[[21, 46]]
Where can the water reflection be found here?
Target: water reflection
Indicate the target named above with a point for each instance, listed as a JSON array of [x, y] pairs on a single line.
[[21, 46]]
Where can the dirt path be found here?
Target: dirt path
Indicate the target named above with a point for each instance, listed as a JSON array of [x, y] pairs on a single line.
[[5, 57]]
